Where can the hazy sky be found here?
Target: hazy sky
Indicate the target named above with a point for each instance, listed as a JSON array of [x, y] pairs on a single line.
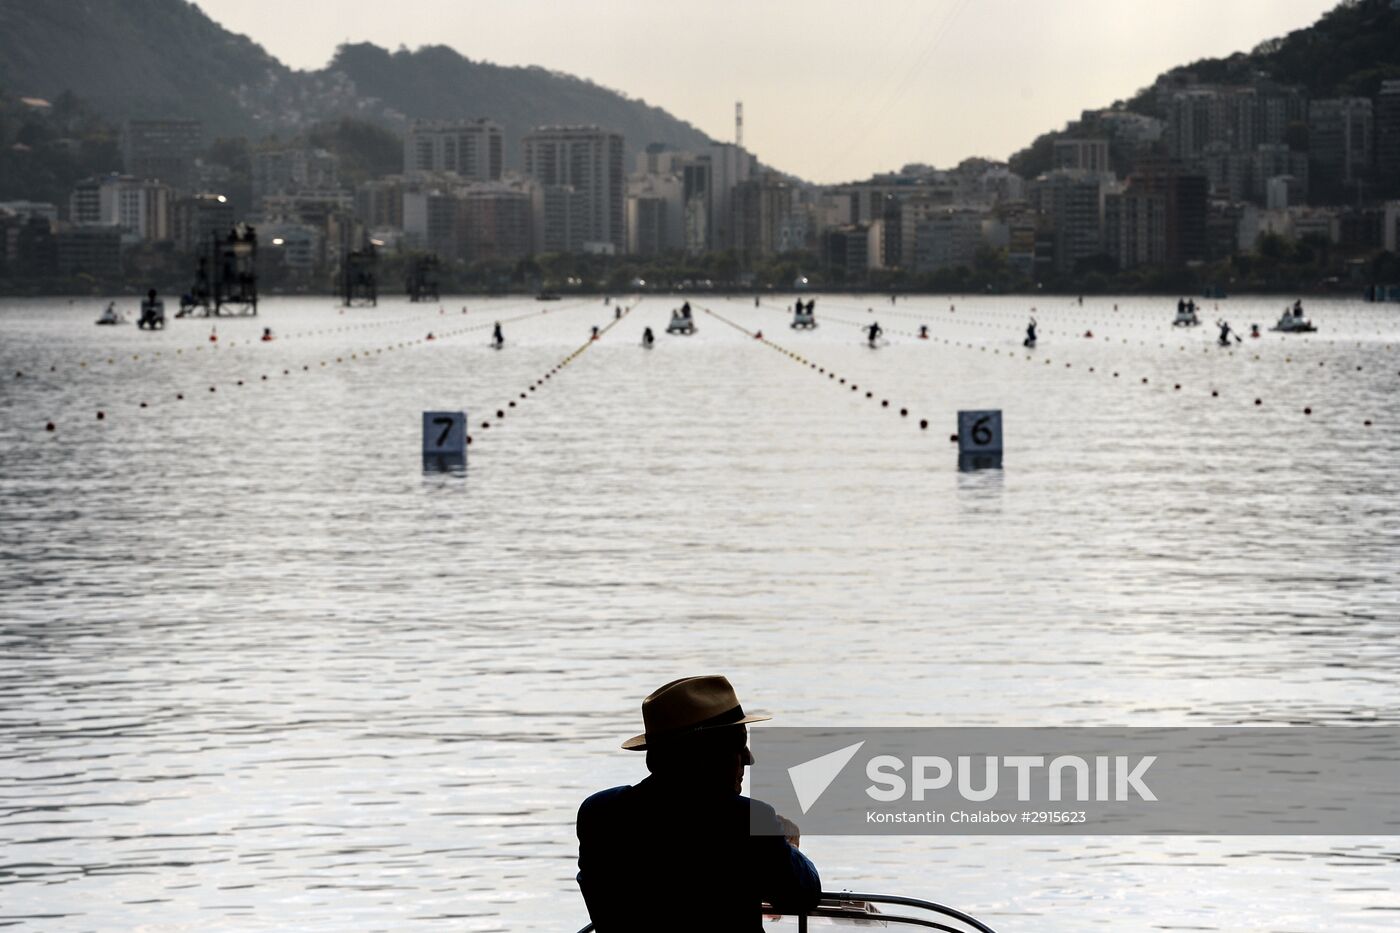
[[832, 89]]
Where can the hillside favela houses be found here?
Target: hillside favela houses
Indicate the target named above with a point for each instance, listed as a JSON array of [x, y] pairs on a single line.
[[1212, 178]]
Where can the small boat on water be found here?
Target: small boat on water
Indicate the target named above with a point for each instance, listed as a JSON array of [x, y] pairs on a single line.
[[1185, 315], [804, 316], [1293, 322], [876, 911], [547, 296], [152, 312], [112, 316], [681, 321]]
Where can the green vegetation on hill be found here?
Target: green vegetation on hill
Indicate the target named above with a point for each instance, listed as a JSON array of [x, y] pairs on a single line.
[[45, 150], [436, 83], [1349, 51], [138, 58], [366, 151], [166, 58]]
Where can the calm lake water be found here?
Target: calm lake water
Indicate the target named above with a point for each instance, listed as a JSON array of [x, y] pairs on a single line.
[[260, 671]]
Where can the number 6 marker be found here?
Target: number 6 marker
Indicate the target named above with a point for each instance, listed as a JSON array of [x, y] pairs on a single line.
[[979, 432]]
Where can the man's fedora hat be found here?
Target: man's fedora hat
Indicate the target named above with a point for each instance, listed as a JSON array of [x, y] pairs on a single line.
[[686, 706]]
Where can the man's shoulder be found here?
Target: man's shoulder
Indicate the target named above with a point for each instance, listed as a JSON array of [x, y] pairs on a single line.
[[606, 799], [756, 806], [763, 819]]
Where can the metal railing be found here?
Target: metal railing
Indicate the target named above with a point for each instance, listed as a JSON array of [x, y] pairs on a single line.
[[848, 906]]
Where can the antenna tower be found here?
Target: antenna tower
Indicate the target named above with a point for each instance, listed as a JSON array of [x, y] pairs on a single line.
[[739, 123]]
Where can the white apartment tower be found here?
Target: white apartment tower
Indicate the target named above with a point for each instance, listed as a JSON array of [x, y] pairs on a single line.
[[588, 160], [473, 150]]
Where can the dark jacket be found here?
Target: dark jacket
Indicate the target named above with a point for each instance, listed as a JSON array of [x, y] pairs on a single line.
[[658, 856]]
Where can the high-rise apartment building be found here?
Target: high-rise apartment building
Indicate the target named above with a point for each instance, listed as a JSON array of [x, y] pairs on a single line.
[[1387, 126], [559, 218], [655, 214], [1184, 205], [1239, 118], [762, 221], [494, 222], [947, 238], [1274, 161], [139, 207], [473, 150], [846, 251], [430, 221], [695, 199], [195, 219], [289, 171], [1088, 155], [1071, 202], [163, 150], [730, 166], [1340, 142], [587, 160], [1135, 227], [379, 202]]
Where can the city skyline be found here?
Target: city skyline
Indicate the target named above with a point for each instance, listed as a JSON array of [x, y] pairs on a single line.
[[823, 101]]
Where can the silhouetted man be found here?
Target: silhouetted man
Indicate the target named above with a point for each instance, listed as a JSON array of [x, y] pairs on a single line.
[[683, 850]]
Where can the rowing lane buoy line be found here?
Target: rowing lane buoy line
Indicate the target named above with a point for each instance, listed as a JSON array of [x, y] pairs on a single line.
[[559, 367], [1144, 380], [831, 375], [1071, 330], [1153, 325], [224, 343], [50, 425]]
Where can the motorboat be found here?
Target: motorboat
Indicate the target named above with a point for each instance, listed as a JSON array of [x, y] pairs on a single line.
[[112, 316], [1293, 322], [152, 313], [681, 323], [1186, 317], [874, 911], [547, 296]]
